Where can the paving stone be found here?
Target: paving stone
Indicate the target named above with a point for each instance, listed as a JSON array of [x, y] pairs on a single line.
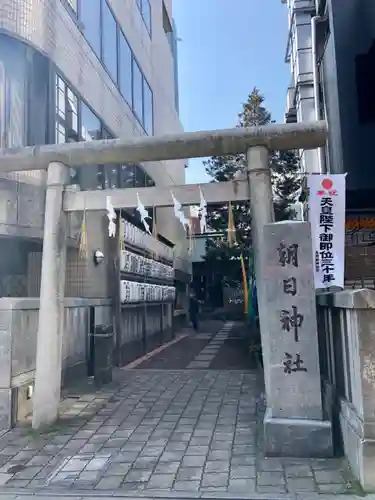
[[271, 489], [125, 457], [135, 486], [4, 478], [217, 466], [196, 450], [39, 460], [215, 479], [22, 483], [89, 476], [109, 483], [219, 455], [167, 467], [270, 478], [242, 471], [175, 446], [75, 465], [242, 485], [301, 484], [270, 464], [186, 485], [161, 481], [331, 488], [328, 476], [221, 445], [193, 461], [27, 473], [298, 471], [189, 474], [243, 460], [138, 475], [118, 469], [152, 451]]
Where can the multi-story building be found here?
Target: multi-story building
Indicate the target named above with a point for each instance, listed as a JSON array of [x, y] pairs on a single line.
[[331, 47], [78, 70]]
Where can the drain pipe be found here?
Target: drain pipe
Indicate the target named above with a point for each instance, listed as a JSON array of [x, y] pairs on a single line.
[[314, 22]]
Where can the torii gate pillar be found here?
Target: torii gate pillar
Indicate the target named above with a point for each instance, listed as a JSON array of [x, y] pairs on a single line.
[[262, 213], [46, 398]]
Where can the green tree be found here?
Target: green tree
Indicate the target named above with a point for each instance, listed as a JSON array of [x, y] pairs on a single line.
[[284, 167]]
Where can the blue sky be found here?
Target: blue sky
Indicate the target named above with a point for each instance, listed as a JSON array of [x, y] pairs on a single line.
[[227, 47]]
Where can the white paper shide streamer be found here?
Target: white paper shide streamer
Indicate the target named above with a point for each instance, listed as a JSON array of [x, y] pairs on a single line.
[[202, 213], [144, 214], [179, 213], [111, 214]]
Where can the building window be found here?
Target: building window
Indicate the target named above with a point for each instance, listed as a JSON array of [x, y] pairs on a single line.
[[137, 91], [146, 14], [111, 172], [90, 177], [148, 118], [66, 118], [73, 5], [144, 7], [125, 69], [127, 176], [149, 181], [89, 15], [66, 113], [140, 179], [109, 47], [72, 115]]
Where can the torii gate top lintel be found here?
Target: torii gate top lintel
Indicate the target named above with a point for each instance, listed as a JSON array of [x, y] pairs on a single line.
[[168, 147]]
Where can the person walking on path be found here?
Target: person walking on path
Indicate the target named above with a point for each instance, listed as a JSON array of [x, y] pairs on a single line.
[[194, 311]]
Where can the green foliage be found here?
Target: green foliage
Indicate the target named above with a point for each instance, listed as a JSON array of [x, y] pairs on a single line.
[[284, 166]]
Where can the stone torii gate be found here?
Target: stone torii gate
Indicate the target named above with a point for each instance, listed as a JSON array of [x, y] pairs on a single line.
[[56, 159]]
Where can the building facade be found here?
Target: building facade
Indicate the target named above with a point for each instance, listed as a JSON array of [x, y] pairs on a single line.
[[331, 51], [78, 70]]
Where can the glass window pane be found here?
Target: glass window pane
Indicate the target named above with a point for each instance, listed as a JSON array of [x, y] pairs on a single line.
[[137, 91], [90, 124], [125, 70], [111, 172], [60, 133], [148, 119], [140, 178], [90, 176], [73, 4], [60, 98], [72, 115], [127, 176], [146, 14], [89, 15], [109, 33], [149, 181]]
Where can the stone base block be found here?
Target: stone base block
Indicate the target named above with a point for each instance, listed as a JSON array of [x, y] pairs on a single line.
[[287, 437]]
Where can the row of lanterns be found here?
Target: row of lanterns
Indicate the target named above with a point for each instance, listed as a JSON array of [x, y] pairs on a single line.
[[134, 236], [132, 292], [137, 264]]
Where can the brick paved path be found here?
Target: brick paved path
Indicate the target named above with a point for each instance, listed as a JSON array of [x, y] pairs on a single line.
[[196, 430]]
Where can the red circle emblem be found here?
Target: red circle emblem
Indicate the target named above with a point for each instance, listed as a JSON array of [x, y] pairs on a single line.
[[327, 184]]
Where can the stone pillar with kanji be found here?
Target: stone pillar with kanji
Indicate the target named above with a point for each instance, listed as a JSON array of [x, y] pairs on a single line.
[[294, 423]]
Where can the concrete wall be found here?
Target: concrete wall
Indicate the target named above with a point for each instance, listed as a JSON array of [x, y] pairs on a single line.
[[144, 327], [18, 338], [346, 323]]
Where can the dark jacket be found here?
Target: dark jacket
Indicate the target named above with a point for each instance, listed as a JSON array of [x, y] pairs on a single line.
[[193, 306]]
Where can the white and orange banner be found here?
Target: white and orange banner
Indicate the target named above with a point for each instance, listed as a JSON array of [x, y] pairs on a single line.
[[327, 218]]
